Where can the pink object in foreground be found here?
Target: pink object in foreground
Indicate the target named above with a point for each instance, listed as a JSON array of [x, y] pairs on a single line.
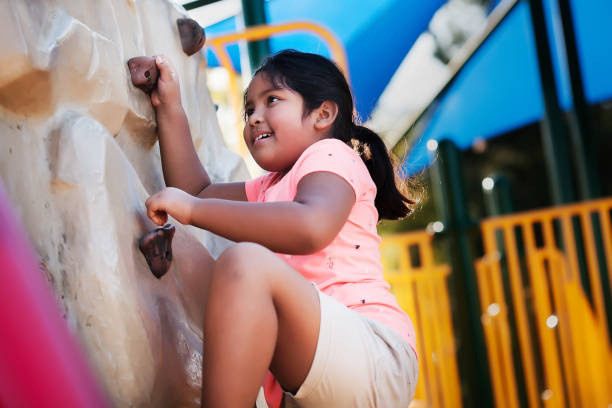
[[41, 363]]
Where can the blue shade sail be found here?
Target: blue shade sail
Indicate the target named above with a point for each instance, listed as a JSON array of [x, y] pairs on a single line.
[[499, 89], [377, 35], [593, 26]]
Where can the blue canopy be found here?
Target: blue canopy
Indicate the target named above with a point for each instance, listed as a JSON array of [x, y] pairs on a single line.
[[377, 35], [499, 88]]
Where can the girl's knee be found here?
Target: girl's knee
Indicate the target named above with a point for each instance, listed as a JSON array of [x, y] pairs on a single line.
[[240, 261]]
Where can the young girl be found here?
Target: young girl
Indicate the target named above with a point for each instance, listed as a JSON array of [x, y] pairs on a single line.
[[302, 293]]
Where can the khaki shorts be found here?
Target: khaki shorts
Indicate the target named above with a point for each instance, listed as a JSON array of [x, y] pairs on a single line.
[[359, 362]]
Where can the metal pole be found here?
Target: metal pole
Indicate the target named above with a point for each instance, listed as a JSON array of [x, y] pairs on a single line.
[[255, 14], [458, 235], [554, 133], [198, 3], [498, 195], [582, 138], [582, 141]]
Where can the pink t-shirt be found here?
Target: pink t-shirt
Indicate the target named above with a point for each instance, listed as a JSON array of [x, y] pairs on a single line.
[[348, 269]]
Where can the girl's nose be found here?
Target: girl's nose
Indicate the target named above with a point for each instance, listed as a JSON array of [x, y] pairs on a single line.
[[255, 118]]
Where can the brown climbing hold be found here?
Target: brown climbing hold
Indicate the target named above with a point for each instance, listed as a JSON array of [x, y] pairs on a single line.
[[192, 35], [143, 71], [156, 246]]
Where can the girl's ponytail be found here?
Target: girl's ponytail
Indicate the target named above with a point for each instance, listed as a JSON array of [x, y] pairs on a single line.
[[390, 202]]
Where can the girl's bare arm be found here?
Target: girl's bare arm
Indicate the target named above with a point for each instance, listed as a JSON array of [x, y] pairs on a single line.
[[180, 164], [305, 225]]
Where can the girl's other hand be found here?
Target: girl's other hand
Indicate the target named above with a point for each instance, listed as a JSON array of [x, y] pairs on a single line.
[[167, 92], [171, 201]]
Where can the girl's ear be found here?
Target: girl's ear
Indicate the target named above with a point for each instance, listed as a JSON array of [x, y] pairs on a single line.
[[325, 115]]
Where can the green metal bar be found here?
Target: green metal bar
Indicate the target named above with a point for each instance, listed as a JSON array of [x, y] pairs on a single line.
[[584, 144], [581, 135], [458, 235], [498, 195], [255, 14], [554, 133], [198, 3], [555, 137]]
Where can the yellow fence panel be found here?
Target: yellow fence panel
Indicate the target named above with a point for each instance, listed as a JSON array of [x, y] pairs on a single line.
[[421, 290], [534, 304]]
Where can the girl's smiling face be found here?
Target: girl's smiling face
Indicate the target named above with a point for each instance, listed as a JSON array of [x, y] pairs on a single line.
[[276, 131]]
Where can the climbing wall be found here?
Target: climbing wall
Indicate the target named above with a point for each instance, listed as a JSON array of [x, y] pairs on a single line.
[[79, 156]]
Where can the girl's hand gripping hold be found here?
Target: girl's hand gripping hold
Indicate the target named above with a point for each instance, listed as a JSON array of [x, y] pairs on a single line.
[[168, 91], [171, 201]]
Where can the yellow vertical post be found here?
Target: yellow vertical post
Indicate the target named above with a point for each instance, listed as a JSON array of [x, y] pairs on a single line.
[[604, 216], [421, 291], [500, 343], [570, 246], [500, 391], [575, 319], [554, 396], [414, 310], [558, 282], [434, 340], [593, 265], [516, 286], [448, 357], [503, 333]]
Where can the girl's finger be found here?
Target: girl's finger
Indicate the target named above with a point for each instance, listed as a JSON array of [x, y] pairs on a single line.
[[166, 71], [152, 209], [148, 202], [160, 217], [155, 97]]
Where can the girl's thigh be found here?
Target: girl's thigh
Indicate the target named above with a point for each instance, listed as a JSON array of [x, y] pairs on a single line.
[[358, 363], [255, 278]]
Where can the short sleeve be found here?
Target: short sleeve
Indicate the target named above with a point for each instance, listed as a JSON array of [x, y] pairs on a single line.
[[334, 156], [256, 187]]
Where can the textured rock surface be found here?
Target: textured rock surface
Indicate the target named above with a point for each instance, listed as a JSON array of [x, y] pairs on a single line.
[[79, 156]]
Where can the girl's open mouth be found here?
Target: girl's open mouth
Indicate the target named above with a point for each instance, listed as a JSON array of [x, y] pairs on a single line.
[[261, 137]]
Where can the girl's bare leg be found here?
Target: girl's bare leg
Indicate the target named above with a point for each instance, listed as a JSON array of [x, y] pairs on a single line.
[[260, 314], [193, 267]]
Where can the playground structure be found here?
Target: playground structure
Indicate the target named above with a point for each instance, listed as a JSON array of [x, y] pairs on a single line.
[[547, 335], [535, 301], [532, 287]]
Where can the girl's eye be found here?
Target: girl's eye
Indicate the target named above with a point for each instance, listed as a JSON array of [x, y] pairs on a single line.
[[248, 112], [272, 98]]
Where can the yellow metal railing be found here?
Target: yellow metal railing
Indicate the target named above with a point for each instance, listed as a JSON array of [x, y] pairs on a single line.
[[420, 287], [533, 303], [218, 46]]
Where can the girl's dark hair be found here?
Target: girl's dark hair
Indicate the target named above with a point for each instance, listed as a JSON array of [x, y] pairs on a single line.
[[317, 79]]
